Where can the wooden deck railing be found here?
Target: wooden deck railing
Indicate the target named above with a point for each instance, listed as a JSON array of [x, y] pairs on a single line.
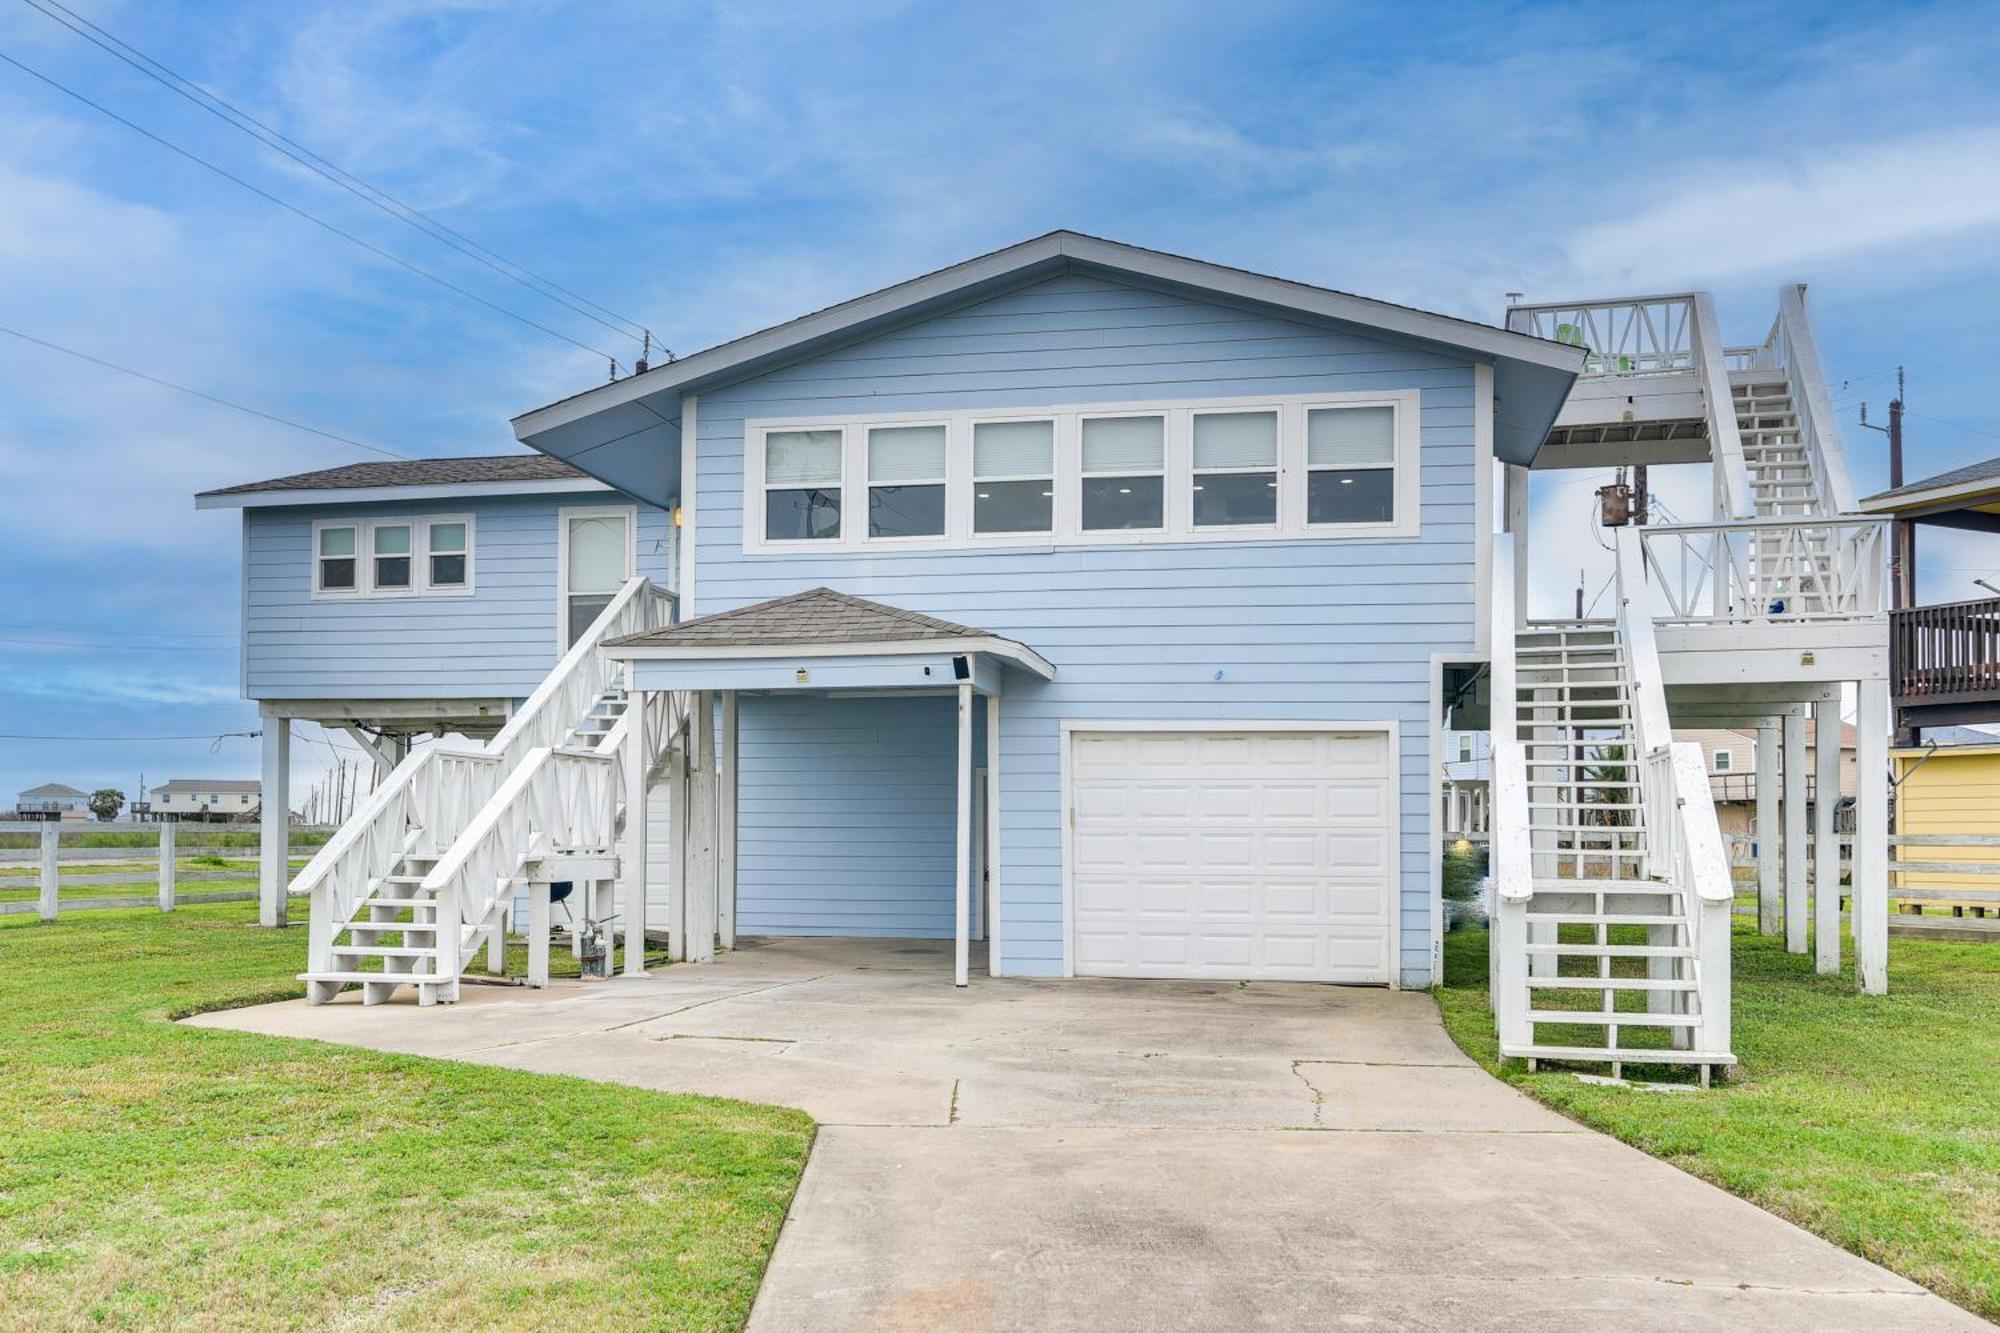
[[1945, 654]]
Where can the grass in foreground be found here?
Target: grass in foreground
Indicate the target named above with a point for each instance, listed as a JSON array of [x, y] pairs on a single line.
[[159, 1176], [1871, 1120]]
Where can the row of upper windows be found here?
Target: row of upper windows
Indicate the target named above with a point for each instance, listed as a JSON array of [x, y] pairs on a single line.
[[1243, 469], [393, 557]]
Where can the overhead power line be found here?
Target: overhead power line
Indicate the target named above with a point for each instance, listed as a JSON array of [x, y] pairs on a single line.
[[234, 116], [197, 393], [203, 736], [313, 218]]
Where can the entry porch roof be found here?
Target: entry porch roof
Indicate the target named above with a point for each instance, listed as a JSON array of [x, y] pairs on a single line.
[[822, 639]]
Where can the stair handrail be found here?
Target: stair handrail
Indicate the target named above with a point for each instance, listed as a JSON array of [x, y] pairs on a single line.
[[568, 693], [1684, 841], [559, 798], [1734, 498], [1796, 350]]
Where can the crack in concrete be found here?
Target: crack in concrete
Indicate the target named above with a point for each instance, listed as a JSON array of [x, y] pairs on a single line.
[[649, 1018], [1318, 1097], [951, 1117]]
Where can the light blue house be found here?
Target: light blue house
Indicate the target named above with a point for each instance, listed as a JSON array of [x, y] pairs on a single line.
[[1104, 612]]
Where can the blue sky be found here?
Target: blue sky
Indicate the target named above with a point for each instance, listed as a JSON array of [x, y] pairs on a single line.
[[714, 169]]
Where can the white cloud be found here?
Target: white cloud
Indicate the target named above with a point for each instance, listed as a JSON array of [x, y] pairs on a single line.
[[1760, 214]]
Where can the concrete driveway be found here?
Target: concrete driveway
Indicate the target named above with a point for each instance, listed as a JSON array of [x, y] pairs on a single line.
[[1154, 1155]]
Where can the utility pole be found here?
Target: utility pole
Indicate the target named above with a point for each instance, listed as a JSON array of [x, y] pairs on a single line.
[[1903, 535], [1639, 508]]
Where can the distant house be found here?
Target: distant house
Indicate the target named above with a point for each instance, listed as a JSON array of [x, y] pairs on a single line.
[[217, 800], [1950, 786], [1730, 755], [52, 800]]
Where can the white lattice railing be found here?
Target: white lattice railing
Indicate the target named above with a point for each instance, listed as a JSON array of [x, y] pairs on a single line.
[[1651, 335], [434, 796], [420, 807], [1767, 570], [554, 801], [1684, 843], [569, 692], [1657, 335]]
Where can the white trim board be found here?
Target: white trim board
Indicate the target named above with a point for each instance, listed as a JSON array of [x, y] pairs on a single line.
[[1019, 654], [1291, 467], [1387, 727]]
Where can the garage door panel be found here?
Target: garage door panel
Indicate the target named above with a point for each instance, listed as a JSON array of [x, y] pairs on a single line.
[[1236, 855]]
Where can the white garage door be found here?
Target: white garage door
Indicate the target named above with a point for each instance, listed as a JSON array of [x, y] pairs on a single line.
[[1238, 855]]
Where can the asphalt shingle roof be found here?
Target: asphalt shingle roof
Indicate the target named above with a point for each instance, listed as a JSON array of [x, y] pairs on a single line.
[[816, 616], [1986, 471], [416, 472], [230, 785], [52, 789]]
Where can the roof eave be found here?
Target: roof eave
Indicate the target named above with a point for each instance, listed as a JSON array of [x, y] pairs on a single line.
[[436, 490], [1019, 654]]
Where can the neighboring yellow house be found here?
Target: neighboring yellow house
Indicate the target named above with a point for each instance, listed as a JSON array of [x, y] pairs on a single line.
[[1953, 789]]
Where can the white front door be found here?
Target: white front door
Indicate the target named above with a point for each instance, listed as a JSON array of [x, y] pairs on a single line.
[[1240, 855], [596, 560]]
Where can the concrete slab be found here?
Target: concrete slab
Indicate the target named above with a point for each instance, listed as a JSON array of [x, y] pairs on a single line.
[[1153, 1155]]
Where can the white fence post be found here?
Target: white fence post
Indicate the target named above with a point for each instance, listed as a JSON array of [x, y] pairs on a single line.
[[167, 866], [51, 842]]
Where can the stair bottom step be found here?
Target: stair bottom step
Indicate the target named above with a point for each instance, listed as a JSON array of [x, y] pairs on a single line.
[[1610, 983], [1620, 1055], [1598, 1018], [396, 978]]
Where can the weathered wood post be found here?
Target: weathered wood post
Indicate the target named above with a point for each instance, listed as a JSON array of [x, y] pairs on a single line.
[[168, 869], [51, 857]]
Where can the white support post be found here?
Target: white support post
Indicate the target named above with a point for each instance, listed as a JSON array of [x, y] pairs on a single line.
[[1870, 890], [703, 798], [274, 844], [995, 965], [539, 924], [51, 896], [725, 889], [1770, 918], [168, 866], [1826, 842], [639, 751], [1517, 524], [962, 902], [1795, 832], [677, 854]]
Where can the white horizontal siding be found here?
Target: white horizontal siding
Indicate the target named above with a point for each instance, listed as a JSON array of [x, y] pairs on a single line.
[[1311, 629]]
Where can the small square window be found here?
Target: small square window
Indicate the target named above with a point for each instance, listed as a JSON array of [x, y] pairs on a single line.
[[1235, 469], [1350, 465], [1013, 476], [802, 484], [1724, 761]]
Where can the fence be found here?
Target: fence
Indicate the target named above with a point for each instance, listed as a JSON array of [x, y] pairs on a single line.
[[149, 855]]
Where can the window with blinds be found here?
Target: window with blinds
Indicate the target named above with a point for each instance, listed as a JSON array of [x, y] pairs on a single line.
[[1250, 470]]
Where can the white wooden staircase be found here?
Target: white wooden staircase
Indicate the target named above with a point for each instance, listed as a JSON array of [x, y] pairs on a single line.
[[1611, 938], [421, 878]]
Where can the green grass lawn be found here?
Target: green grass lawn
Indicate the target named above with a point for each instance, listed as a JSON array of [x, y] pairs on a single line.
[[1871, 1120], [158, 1176]]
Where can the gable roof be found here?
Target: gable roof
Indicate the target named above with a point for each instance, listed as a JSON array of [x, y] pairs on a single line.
[[230, 786], [815, 616], [52, 789], [479, 473], [623, 432]]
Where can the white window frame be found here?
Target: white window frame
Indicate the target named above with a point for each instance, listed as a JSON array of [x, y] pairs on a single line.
[[424, 554], [1276, 469], [364, 588], [631, 514], [855, 438], [1068, 531], [1057, 470], [1163, 473], [319, 590], [1404, 493], [1725, 762], [853, 464]]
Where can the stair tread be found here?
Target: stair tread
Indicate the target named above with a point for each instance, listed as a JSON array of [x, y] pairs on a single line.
[[386, 950], [1601, 1018], [398, 978], [1611, 983], [1613, 950], [1605, 919], [1623, 1055]]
